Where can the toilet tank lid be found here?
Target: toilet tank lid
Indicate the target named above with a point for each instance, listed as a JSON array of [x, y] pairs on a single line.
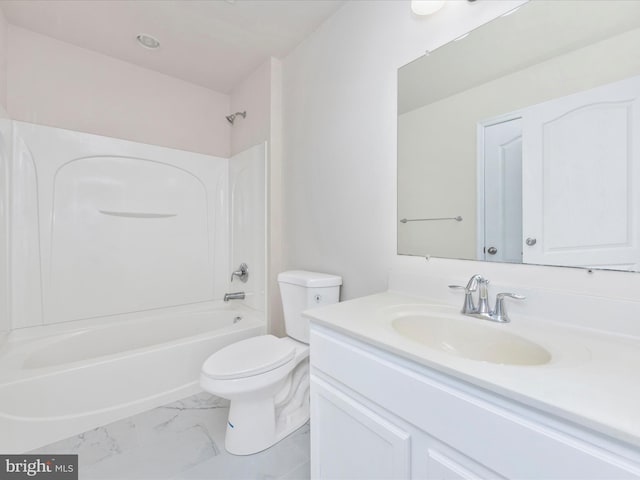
[[309, 279]]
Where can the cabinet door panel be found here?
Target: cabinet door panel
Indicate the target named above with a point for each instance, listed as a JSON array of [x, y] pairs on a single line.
[[444, 463], [349, 441]]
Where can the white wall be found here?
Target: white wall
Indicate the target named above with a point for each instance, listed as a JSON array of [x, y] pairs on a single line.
[[339, 119], [53, 83]]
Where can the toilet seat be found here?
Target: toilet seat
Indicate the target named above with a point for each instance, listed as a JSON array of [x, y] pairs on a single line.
[[250, 357]]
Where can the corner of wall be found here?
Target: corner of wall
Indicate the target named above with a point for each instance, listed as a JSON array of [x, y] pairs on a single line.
[[3, 64], [5, 152], [251, 95], [259, 94], [274, 216], [247, 184], [5, 135]]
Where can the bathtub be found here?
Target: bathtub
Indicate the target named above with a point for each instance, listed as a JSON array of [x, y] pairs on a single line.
[[61, 380]]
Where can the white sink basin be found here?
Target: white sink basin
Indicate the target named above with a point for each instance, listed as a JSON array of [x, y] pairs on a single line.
[[465, 338]]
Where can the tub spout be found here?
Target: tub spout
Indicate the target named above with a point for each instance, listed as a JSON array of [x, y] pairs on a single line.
[[233, 296]]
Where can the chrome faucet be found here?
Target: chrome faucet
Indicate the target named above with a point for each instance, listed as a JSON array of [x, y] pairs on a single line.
[[242, 273], [469, 308], [233, 296]]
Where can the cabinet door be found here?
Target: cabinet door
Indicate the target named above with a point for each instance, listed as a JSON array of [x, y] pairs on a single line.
[[445, 463], [350, 441]]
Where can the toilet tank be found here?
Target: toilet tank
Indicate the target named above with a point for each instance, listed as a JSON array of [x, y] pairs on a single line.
[[301, 290]]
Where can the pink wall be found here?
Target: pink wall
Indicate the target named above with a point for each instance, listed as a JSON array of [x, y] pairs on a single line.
[[54, 83], [3, 64], [253, 94], [5, 323]]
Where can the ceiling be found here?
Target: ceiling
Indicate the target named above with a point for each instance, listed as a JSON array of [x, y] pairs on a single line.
[[212, 43]]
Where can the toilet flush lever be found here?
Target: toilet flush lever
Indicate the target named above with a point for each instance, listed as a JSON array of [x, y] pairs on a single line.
[[242, 273]]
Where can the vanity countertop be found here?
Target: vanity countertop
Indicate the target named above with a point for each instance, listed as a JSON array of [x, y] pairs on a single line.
[[592, 378]]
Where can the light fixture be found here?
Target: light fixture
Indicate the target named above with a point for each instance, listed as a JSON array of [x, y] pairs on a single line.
[[426, 7], [147, 41]]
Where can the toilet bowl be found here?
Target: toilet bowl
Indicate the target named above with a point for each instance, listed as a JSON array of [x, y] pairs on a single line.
[[256, 375], [266, 378]]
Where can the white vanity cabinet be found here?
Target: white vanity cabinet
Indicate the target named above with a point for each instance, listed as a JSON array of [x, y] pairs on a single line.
[[377, 415]]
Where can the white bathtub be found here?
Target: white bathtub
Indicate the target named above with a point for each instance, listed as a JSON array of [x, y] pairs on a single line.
[[61, 380]]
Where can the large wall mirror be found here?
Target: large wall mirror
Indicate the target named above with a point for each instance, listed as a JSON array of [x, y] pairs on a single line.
[[521, 141]]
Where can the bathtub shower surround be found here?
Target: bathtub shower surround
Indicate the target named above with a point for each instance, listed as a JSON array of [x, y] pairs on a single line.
[[248, 223], [103, 226], [119, 256]]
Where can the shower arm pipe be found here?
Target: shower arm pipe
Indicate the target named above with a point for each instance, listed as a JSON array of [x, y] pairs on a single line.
[[232, 118]]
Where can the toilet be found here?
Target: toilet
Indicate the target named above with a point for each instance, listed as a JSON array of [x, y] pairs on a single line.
[[266, 378]]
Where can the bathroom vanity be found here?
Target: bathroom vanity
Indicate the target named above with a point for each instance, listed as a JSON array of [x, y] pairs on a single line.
[[459, 397], [512, 149]]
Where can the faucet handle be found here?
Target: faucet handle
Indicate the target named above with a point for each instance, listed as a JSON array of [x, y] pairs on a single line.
[[501, 296], [460, 287], [242, 273], [499, 313], [468, 306]]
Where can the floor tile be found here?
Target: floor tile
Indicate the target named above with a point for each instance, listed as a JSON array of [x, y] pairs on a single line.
[[303, 472], [181, 440]]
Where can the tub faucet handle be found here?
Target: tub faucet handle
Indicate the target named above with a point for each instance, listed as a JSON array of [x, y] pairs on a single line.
[[242, 273]]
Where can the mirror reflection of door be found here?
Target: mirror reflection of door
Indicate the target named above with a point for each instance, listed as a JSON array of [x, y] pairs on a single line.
[[581, 193], [500, 168], [562, 174]]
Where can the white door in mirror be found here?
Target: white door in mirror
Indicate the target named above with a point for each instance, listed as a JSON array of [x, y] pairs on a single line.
[[502, 202], [579, 189]]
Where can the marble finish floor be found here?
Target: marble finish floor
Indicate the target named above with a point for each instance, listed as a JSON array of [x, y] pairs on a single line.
[[181, 440]]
